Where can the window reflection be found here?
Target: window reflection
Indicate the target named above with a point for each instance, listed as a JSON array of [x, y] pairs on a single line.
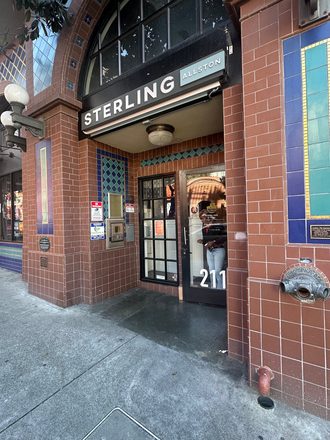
[[129, 52], [151, 6], [109, 64], [129, 14], [155, 37], [146, 32], [182, 29], [11, 213], [213, 13], [207, 229], [93, 75]]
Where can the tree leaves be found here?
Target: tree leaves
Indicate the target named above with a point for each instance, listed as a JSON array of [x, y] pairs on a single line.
[[4, 45], [49, 14]]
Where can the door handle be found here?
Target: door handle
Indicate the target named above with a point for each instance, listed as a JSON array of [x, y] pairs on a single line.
[[185, 235]]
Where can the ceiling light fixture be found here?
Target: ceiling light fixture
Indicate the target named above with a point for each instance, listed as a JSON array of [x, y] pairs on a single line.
[[160, 134]]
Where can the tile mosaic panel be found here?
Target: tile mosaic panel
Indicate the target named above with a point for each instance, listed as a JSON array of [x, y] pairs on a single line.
[[196, 152], [45, 218], [14, 70], [112, 177], [307, 91], [11, 256]]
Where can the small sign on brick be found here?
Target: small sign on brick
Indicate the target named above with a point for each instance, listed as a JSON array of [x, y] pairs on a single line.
[[43, 262]]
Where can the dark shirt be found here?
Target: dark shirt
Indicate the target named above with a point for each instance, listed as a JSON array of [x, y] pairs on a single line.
[[215, 232]]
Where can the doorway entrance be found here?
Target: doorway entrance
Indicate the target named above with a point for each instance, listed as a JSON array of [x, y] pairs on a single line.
[[204, 235]]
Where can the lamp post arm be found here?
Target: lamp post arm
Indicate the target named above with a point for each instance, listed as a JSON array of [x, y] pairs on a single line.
[[11, 139], [35, 126]]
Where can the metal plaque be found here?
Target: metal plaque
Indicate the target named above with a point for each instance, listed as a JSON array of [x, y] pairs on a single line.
[[43, 262], [44, 244], [320, 232], [129, 233]]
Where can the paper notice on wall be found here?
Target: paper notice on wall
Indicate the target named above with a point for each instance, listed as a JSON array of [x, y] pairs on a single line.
[[159, 227]]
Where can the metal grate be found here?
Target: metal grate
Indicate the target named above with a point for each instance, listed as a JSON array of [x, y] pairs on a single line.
[[118, 425]]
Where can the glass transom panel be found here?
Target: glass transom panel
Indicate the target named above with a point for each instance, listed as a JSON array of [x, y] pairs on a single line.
[[144, 30]]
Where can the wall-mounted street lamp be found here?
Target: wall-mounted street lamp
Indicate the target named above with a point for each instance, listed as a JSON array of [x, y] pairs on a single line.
[[13, 120]]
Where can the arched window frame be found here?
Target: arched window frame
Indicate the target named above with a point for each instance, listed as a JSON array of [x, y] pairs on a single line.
[[97, 51]]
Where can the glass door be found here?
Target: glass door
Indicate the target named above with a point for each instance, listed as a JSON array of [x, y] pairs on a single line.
[[204, 236], [158, 238]]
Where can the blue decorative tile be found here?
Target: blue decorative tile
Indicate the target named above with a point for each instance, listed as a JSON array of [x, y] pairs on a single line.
[[318, 105], [295, 159], [183, 155], [316, 56], [319, 155], [297, 231], [79, 41], [296, 207], [320, 204], [293, 111], [318, 130], [293, 88], [87, 19], [296, 184], [316, 34], [73, 63], [112, 176], [317, 80], [291, 44], [294, 135], [70, 85], [319, 182], [292, 64]]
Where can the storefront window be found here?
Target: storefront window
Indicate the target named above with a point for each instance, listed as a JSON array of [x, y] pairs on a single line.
[[136, 32], [182, 29], [11, 215], [158, 230]]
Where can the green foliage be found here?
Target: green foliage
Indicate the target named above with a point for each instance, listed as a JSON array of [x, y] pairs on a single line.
[[50, 14], [4, 45]]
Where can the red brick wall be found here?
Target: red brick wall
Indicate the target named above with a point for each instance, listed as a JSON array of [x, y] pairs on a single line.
[[60, 282], [106, 272], [236, 221], [289, 337]]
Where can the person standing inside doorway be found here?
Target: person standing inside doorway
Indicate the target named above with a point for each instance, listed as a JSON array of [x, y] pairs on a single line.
[[214, 239]]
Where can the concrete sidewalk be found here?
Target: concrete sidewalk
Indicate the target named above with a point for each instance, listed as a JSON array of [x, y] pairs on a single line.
[[149, 362]]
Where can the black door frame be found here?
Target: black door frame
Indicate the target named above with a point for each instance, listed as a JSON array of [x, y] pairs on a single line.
[[190, 293]]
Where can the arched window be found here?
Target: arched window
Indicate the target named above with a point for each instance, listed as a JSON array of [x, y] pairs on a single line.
[[139, 30]]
